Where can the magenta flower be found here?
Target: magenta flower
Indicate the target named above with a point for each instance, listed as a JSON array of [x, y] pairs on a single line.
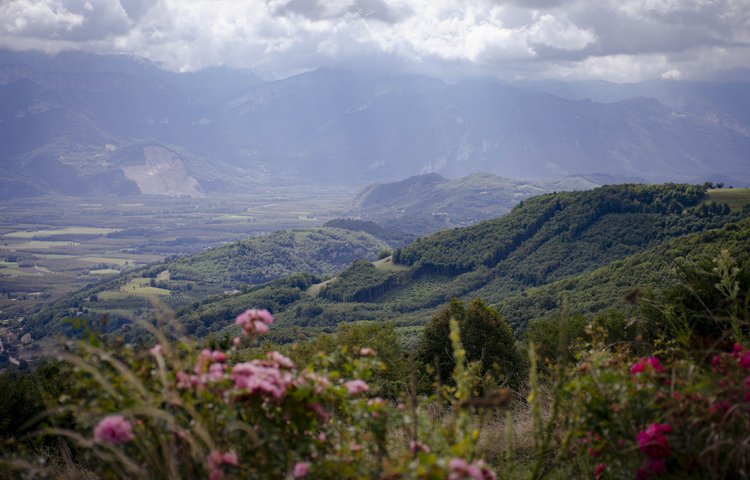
[[301, 469], [600, 470], [654, 442], [113, 429], [646, 362], [657, 466], [355, 387]]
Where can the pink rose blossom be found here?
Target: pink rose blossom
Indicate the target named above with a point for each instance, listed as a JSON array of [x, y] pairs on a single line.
[[259, 377], [254, 321], [301, 469], [355, 387], [280, 360], [260, 327], [113, 429]]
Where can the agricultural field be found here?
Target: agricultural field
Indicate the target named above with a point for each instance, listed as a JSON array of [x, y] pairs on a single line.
[[736, 198], [53, 245]]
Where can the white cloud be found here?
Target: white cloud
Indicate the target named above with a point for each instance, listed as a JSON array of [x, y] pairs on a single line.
[[553, 32], [610, 39]]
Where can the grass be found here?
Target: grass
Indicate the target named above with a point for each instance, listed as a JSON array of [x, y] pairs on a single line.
[[108, 260], [736, 198], [386, 264], [314, 290], [104, 271], [138, 287], [62, 231], [164, 276], [42, 244]]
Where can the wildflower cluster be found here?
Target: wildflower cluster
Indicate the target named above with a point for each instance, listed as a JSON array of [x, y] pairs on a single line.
[[656, 418], [221, 414]]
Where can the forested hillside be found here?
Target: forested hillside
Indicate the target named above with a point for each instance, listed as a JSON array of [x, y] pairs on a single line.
[[224, 270], [546, 239]]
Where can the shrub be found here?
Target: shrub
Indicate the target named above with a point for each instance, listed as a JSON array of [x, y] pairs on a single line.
[[485, 334]]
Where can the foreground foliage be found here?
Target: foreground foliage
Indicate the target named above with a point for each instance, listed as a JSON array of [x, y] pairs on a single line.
[[174, 412]]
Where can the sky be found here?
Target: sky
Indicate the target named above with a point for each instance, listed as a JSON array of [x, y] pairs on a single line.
[[615, 40]]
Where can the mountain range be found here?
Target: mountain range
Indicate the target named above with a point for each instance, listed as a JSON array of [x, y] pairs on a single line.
[[86, 124]]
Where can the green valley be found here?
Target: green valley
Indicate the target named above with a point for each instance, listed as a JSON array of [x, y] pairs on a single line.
[[599, 244]]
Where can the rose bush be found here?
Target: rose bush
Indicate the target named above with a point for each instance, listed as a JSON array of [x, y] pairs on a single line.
[[177, 412]]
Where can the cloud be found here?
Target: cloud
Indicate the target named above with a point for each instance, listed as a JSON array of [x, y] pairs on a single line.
[[610, 39]]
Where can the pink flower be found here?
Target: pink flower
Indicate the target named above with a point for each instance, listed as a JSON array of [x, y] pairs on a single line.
[[113, 429], [215, 461], [218, 356], [156, 350], [301, 469], [184, 381], [355, 387], [319, 411], [744, 360], [254, 321], [257, 377], [417, 446], [280, 360], [599, 470], [260, 327], [458, 468], [215, 372], [654, 442], [367, 352]]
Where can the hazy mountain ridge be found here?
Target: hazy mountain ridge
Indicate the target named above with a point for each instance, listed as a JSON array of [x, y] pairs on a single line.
[[426, 203], [71, 114]]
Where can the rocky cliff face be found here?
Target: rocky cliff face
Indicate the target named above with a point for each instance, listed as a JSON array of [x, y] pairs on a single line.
[[162, 173]]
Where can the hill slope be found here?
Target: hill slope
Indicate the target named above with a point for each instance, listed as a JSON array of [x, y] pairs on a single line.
[[545, 239], [427, 203], [226, 269]]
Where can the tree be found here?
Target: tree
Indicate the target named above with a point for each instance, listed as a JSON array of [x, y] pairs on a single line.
[[486, 337]]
